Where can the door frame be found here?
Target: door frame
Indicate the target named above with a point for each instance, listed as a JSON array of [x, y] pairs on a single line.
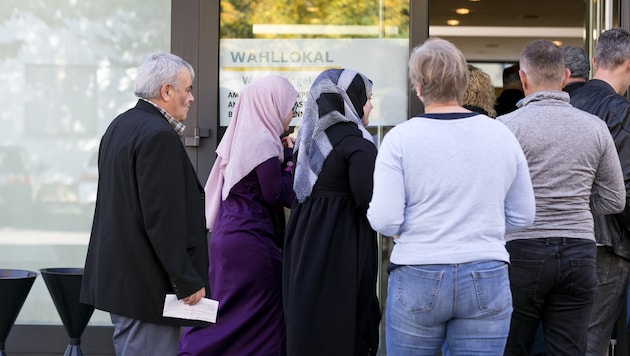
[[195, 37]]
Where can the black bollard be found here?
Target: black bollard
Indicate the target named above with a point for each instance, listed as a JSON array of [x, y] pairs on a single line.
[[15, 284], [64, 285]]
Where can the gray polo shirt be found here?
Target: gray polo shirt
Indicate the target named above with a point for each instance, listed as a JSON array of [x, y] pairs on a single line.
[[573, 165]]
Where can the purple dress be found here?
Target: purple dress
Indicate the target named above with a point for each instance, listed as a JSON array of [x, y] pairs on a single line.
[[246, 268]]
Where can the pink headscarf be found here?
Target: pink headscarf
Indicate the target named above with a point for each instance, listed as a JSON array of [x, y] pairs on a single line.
[[252, 137]]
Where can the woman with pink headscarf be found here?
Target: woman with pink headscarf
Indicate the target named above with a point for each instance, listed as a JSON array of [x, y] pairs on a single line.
[[248, 186]]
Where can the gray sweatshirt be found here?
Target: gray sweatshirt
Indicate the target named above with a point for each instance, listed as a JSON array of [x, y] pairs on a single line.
[[573, 164]]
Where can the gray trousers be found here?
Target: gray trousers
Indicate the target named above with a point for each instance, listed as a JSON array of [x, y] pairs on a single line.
[[136, 338]]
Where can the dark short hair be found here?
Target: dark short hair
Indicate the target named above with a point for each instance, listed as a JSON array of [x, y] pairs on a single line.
[[510, 74], [542, 62]]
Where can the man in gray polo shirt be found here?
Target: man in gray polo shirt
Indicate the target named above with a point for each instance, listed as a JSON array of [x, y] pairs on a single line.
[[575, 169]]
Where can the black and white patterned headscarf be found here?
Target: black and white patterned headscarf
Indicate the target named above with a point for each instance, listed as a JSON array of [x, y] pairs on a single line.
[[337, 95]]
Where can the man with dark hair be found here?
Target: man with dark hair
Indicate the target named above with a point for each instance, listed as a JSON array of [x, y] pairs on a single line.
[[576, 60], [575, 170], [512, 91], [603, 96]]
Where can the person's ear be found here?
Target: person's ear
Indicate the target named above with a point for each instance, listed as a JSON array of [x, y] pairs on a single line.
[[165, 91], [419, 91], [524, 80], [567, 74]]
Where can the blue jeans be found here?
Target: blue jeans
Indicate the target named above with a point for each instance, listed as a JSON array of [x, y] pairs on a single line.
[[553, 281], [612, 280], [468, 306]]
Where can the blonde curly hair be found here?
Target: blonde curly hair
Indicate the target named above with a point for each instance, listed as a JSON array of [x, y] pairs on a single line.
[[480, 92]]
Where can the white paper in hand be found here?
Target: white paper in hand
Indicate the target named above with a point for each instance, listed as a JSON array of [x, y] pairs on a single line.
[[205, 310]]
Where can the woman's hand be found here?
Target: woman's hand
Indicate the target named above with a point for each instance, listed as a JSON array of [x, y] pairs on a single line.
[[288, 141]]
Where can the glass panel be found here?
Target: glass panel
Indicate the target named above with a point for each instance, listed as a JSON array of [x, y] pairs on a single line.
[[497, 30], [316, 35], [68, 69], [601, 15]]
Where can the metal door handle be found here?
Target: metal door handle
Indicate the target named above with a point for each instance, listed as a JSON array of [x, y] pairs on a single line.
[[193, 141]]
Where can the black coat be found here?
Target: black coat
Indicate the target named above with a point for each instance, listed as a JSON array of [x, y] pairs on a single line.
[[148, 236], [506, 102]]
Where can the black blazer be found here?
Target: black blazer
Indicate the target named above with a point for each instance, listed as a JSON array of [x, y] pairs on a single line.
[[148, 235]]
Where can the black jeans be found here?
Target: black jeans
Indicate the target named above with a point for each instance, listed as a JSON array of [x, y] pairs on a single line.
[[553, 281], [613, 273]]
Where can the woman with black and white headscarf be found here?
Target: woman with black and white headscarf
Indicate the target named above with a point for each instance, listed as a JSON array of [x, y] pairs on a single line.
[[330, 254]]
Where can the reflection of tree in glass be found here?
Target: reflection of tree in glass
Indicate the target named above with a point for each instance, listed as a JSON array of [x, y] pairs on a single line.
[[79, 59], [101, 27], [238, 16], [71, 69]]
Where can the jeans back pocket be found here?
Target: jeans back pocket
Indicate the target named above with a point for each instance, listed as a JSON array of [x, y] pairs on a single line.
[[416, 289]]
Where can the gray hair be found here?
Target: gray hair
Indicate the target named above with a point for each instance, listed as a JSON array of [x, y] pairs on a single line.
[[542, 62], [613, 48], [157, 70], [576, 60]]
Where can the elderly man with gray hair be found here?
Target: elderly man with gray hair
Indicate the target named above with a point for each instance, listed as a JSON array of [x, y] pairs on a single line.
[[576, 60], [149, 236]]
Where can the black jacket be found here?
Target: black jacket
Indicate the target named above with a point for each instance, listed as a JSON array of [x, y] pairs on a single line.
[[571, 87], [149, 235], [506, 102], [599, 98]]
